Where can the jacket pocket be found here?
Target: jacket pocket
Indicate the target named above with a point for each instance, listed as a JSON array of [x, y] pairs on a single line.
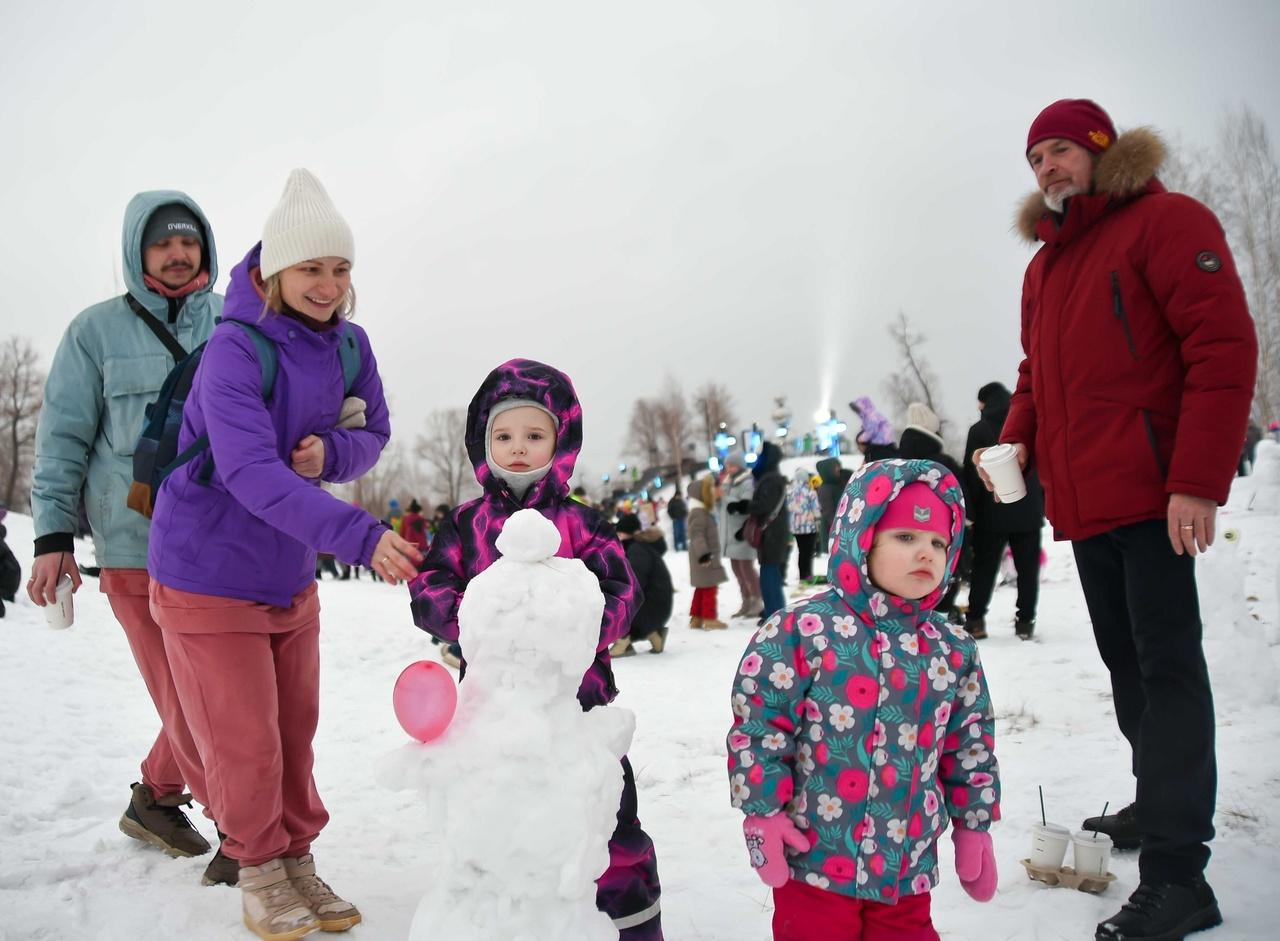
[[129, 385], [1152, 440], [1117, 309]]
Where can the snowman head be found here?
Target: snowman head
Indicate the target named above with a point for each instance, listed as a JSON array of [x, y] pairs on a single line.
[[531, 621]]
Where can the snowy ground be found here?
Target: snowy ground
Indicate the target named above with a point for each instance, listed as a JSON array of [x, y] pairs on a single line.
[[76, 722]]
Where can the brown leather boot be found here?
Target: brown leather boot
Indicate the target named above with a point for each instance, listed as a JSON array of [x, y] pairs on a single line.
[[713, 624], [695, 623], [162, 823]]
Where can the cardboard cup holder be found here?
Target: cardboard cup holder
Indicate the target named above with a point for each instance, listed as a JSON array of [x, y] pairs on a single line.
[[1068, 877]]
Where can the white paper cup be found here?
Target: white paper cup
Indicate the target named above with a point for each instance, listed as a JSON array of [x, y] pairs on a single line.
[[1092, 852], [62, 612], [1001, 464], [1049, 845]]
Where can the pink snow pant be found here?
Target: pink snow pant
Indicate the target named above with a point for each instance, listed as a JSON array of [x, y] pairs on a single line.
[[803, 912], [173, 764], [248, 676]]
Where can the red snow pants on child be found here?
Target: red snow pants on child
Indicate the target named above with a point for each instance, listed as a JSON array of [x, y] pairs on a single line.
[[704, 603], [248, 676], [803, 912], [173, 764]]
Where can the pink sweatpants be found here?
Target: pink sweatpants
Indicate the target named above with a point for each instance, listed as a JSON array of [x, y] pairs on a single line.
[[803, 912], [173, 764], [252, 701]]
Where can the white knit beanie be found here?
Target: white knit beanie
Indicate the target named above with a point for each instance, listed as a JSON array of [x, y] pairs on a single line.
[[304, 225], [922, 416]]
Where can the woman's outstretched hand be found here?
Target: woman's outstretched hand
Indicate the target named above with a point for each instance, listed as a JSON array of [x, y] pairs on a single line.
[[395, 559]]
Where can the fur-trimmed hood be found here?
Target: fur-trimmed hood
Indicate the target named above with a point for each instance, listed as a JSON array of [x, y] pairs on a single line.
[[1123, 172]]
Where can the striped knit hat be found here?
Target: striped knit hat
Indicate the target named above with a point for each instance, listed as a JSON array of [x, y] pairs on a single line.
[[304, 225]]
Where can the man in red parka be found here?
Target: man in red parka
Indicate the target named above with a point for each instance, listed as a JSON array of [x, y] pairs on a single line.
[[1132, 400]]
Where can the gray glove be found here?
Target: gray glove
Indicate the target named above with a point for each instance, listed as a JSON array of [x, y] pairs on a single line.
[[352, 414]]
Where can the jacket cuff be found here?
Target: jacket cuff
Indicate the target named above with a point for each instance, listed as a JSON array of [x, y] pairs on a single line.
[[330, 457], [55, 542]]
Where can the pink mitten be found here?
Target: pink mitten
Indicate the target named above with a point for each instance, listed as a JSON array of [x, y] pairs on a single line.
[[975, 862], [765, 839]]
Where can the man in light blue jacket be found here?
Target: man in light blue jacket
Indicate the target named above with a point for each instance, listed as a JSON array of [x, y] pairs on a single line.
[[109, 366]]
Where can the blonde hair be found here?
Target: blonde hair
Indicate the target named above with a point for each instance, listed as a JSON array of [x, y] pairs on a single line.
[[274, 299]]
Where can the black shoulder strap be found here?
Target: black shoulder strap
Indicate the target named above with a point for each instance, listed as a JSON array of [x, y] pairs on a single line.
[[155, 326]]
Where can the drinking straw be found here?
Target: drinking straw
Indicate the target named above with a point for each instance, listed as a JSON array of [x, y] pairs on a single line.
[[1104, 813], [1042, 818]]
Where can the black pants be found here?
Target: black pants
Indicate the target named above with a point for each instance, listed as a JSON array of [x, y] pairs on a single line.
[[987, 550], [1146, 619], [804, 554]]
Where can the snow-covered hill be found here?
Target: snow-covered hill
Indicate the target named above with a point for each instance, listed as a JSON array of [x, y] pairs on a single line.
[[75, 721]]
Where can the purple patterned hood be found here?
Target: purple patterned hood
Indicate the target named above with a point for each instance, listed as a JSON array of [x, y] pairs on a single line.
[[553, 390]]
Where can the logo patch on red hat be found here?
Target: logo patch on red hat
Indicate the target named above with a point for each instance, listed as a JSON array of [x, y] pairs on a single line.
[[1101, 138], [1208, 261], [921, 514]]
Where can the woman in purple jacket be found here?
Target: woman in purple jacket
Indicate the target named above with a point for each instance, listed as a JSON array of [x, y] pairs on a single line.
[[234, 541]]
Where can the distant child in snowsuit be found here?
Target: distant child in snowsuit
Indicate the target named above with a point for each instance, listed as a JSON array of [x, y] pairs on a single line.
[[524, 431], [862, 723], [706, 572], [645, 549]]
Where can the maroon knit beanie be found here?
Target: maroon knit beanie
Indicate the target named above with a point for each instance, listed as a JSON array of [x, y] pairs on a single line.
[[1075, 119]]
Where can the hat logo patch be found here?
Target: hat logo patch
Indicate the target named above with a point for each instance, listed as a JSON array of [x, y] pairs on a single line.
[[1101, 138], [922, 514]]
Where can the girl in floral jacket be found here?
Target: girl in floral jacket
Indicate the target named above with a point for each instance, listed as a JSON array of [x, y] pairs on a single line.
[[523, 434], [862, 724]]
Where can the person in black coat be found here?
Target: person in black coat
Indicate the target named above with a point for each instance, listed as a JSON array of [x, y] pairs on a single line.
[[678, 510], [921, 439], [996, 525], [645, 549], [10, 569], [829, 492], [768, 510]]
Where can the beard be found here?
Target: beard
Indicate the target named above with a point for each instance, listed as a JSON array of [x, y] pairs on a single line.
[[1055, 201]]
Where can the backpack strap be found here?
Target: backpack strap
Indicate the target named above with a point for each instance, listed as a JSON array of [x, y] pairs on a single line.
[[267, 357], [155, 326], [349, 353]]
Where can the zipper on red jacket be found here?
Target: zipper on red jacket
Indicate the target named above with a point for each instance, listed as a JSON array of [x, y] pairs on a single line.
[[1117, 307]]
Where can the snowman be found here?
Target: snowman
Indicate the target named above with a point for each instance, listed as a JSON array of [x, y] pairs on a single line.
[[523, 788]]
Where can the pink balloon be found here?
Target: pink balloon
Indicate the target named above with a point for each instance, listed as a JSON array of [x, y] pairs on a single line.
[[425, 698]]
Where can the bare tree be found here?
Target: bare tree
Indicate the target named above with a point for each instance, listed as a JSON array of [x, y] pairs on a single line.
[[675, 427], [21, 396], [713, 406], [442, 446], [1250, 210], [915, 380], [645, 431], [1240, 181]]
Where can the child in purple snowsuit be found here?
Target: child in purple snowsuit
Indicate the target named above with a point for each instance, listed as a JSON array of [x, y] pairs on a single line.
[[464, 546]]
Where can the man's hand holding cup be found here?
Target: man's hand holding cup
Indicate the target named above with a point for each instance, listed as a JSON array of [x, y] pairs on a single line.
[[1001, 468]]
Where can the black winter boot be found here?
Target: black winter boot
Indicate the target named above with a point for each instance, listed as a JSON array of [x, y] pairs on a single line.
[[977, 628], [1122, 827], [222, 869], [1162, 911], [1024, 629]]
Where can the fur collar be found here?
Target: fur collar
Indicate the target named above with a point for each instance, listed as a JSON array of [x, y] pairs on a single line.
[[1123, 172]]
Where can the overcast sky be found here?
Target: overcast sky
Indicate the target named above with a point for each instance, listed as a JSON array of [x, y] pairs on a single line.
[[743, 192]]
